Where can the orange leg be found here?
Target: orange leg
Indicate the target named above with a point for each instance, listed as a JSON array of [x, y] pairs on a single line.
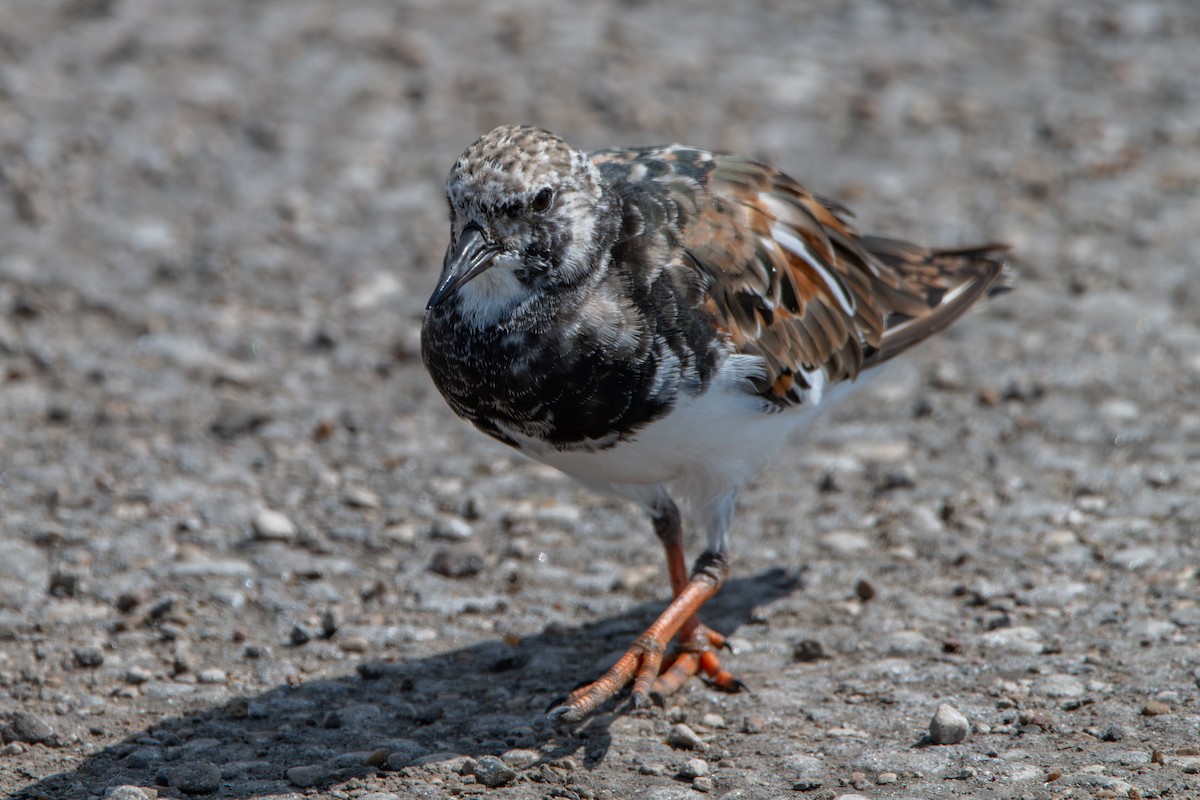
[[643, 662]]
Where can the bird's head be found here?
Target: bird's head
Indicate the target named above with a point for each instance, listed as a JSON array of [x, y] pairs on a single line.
[[523, 215]]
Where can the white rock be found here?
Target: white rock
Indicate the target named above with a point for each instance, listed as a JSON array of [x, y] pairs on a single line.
[[273, 526]]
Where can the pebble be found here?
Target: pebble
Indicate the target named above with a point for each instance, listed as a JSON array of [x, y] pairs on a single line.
[[493, 772], [453, 529], [1018, 640], [1113, 733], [330, 622], [1059, 685], [379, 796], [402, 754], [143, 757], [681, 737], [1154, 708], [693, 768], [908, 644], [354, 644], [12, 749], [89, 656], [712, 721], [808, 650], [130, 793], [846, 543], [885, 778], [520, 757], [703, 784], [211, 675], [459, 560], [196, 777], [305, 776], [948, 725], [360, 497], [273, 526], [25, 726], [300, 635]]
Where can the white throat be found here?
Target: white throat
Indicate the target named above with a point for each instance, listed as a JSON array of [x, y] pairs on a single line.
[[491, 296]]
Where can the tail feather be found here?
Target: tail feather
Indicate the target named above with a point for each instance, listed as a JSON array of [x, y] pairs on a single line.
[[953, 280]]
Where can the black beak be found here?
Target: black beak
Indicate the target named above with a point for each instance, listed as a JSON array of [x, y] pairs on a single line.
[[472, 255]]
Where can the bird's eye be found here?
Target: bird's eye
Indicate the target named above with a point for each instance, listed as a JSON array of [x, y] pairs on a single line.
[[541, 200]]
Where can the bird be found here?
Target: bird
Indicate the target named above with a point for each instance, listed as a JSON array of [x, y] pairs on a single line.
[[656, 322]]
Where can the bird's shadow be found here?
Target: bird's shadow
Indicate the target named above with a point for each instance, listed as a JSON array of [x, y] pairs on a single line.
[[472, 701]]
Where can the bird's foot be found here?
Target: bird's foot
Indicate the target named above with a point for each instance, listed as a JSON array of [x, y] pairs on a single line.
[[697, 655], [643, 665], [640, 665]]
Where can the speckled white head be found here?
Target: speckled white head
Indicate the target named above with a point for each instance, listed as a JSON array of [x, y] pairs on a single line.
[[523, 209]]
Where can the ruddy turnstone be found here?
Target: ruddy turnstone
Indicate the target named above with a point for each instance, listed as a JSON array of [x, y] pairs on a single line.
[[655, 322]]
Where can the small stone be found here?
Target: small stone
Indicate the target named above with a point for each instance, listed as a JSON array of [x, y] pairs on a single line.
[[1154, 708], [693, 768], [354, 644], [1113, 733], [89, 657], [13, 749], [703, 784], [403, 754], [360, 497], [808, 650], [885, 778], [196, 777], [681, 737], [377, 758], [379, 796], [25, 726], [492, 772], [1059, 685], [330, 622], [712, 721], [300, 635], [864, 590], [459, 560], [211, 675], [305, 776], [520, 757], [907, 644], [130, 793], [753, 724], [272, 526], [1018, 640], [948, 725], [452, 529]]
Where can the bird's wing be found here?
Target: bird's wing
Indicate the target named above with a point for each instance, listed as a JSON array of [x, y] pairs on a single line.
[[790, 280]]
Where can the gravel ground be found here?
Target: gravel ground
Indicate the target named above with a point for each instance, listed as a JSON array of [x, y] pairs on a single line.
[[246, 551]]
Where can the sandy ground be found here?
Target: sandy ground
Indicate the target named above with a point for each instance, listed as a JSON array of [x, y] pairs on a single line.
[[219, 222]]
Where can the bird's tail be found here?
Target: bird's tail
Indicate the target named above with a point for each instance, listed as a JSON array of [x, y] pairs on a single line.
[[939, 286]]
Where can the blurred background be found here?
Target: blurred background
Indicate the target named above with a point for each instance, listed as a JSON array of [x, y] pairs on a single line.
[[224, 467]]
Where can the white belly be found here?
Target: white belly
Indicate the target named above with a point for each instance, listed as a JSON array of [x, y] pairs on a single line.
[[706, 445]]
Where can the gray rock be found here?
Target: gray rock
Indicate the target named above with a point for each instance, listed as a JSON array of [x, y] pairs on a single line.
[[948, 725], [493, 772], [143, 757], [693, 768], [25, 726], [196, 777], [681, 737], [89, 656], [306, 776]]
